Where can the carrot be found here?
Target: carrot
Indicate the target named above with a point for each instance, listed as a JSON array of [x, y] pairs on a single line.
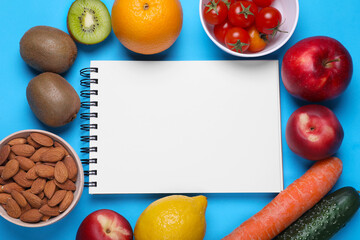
[[291, 203]]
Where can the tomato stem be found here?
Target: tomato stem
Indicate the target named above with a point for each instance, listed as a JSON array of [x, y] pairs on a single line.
[[212, 7], [264, 37], [277, 29], [238, 46], [245, 11], [227, 2]]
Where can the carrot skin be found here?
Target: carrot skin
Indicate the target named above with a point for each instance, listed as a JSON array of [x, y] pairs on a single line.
[[291, 203]]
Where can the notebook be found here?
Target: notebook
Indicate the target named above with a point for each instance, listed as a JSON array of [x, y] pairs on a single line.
[[183, 126]]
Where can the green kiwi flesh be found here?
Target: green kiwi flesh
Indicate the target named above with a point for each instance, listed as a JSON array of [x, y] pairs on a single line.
[[89, 21]]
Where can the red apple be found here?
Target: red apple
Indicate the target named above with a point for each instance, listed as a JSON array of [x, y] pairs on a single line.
[[104, 224], [317, 69], [314, 132]]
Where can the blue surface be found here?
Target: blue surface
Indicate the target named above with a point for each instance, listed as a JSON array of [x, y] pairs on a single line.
[[225, 211]]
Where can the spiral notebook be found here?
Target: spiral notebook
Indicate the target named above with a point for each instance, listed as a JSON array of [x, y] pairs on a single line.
[[182, 126]]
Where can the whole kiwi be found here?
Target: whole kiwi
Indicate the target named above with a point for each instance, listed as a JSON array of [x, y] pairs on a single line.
[[48, 49], [52, 99]]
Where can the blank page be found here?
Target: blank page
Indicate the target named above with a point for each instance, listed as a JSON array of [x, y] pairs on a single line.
[[187, 127]]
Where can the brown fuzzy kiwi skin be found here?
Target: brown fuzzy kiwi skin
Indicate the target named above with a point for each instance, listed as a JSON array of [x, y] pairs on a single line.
[[48, 49], [52, 99]]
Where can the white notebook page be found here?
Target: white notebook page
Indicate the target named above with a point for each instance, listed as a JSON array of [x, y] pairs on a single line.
[[187, 127]]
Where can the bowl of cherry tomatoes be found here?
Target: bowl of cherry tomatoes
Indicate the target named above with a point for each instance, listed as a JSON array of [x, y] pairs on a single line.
[[249, 28]]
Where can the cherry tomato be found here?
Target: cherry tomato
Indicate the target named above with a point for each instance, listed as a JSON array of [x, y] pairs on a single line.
[[258, 40], [268, 21], [263, 3], [228, 2], [215, 12], [220, 31], [242, 13], [237, 39]]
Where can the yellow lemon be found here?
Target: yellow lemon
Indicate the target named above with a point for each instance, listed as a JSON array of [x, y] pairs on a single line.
[[175, 217]]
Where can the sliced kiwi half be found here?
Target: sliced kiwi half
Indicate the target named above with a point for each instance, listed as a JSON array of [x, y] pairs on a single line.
[[89, 21]]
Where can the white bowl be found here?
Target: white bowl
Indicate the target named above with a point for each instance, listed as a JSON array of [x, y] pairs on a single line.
[[79, 181], [290, 14]]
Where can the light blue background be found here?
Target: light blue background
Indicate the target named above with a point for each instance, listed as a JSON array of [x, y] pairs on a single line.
[[225, 211]]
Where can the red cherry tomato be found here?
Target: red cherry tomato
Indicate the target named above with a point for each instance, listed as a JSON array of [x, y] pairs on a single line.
[[237, 39], [220, 31], [258, 40], [242, 13], [228, 2], [215, 12], [263, 3], [268, 21]]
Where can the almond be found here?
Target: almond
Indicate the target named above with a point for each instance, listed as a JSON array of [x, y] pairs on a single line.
[[25, 163], [57, 198], [57, 144], [69, 197], [3, 182], [31, 216], [61, 173], [17, 141], [12, 155], [44, 201], [41, 195], [71, 167], [32, 142], [26, 208], [49, 189], [11, 186], [45, 218], [12, 208], [53, 155], [32, 199], [50, 164], [4, 153], [68, 185], [4, 197], [1, 169], [24, 150], [49, 211], [45, 171], [31, 174], [19, 198], [42, 139], [11, 168], [38, 186], [36, 156], [20, 178]]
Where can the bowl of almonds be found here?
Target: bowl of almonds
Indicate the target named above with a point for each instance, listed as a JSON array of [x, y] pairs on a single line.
[[41, 178]]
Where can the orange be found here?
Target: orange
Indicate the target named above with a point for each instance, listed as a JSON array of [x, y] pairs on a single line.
[[147, 26]]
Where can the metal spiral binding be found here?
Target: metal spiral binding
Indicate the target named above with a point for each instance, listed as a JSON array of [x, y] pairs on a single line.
[[87, 82], [87, 116], [90, 172], [88, 160], [88, 149], [88, 138], [88, 104]]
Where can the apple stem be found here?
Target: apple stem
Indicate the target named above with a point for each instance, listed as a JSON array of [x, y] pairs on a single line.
[[330, 61]]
